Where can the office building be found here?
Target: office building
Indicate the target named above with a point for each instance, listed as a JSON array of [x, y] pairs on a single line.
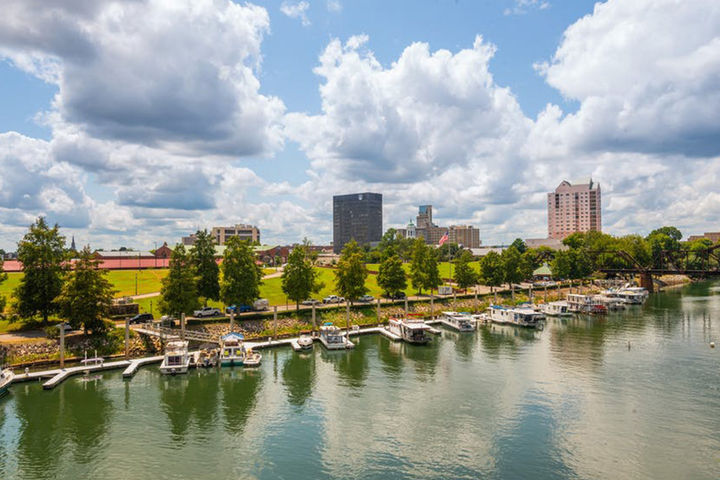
[[245, 232], [574, 208], [465, 235], [358, 217]]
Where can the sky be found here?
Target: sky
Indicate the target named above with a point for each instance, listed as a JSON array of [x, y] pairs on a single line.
[[134, 122]]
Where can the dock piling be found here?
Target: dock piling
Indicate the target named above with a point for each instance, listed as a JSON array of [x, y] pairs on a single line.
[[62, 345], [378, 310], [313, 318], [275, 322], [406, 307], [182, 326], [127, 338], [432, 306]]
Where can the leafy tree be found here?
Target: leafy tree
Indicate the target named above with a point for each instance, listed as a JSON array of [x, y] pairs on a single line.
[[242, 277], [299, 278], [448, 251], [87, 295], [519, 245], [432, 272], [671, 232], [3, 277], [491, 271], [208, 271], [575, 240], [512, 268], [465, 275], [351, 272], [418, 271], [179, 288], [41, 251], [390, 239], [391, 276]]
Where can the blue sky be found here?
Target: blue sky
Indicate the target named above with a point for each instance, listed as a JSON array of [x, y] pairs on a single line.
[[131, 123]]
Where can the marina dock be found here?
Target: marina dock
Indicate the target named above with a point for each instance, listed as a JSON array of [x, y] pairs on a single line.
[[139, 362], [67, 372]]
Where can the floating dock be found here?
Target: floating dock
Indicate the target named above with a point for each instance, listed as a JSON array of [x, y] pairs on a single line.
[[67, 372], [139, 362]]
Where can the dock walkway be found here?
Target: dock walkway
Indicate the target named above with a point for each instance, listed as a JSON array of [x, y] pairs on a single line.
[[67, 372], [139, 362]]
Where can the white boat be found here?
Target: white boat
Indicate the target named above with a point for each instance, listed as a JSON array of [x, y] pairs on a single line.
[[587, 304], [463, 322], [628, 294], [232, 349], [6, 378], [252, 359], [333, 338], [556, 309], [305, 342], [522, 317], [176, 359], [611, 303], [412, 330]]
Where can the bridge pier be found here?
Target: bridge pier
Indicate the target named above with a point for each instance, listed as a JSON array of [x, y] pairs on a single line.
[[646, 281]]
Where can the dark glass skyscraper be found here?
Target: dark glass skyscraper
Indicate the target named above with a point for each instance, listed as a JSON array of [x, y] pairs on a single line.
[[358, 217]]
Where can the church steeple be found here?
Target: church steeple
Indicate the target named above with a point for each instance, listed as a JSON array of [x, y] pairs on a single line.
[[72, 244]]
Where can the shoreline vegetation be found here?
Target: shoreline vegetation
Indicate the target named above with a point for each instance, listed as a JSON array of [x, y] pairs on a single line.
[[42, 352]]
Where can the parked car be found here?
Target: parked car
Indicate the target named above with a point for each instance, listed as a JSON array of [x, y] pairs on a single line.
[[167, 321], [397, 296], [142, 318], [261, 304], [66, 327], [238, 309], [445, 290], [333, 299], [207, 312], [311, 301], [366, 298]]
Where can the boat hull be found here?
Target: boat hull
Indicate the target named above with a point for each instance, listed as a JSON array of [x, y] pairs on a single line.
[[173, 369], [231, 362]]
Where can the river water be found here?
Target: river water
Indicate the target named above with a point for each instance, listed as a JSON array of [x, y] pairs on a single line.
[[571, 401]]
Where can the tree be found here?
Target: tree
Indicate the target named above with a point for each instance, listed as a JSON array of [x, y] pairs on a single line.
[[391, 275], [41, 251], [208, 271], [465, 275], [448, 251], [3, 277], [432, 272], [242, 276], [299, 278], [179, 288], [418, 271], [351, 272], [519, 245], [87, 295], [511, 265], [670, 231], [491, 271]]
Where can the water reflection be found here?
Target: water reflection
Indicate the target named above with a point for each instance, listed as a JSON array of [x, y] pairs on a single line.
[[498, 339], [189, 399], [351, 365], [390, 355], [239, 394], [299, 377]]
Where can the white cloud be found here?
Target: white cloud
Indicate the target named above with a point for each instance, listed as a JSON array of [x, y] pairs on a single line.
[[334, 6], [521, 7], [178, 75], [297, 10]]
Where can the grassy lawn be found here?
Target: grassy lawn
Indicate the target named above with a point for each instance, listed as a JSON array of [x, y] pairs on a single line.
[[148, 281]]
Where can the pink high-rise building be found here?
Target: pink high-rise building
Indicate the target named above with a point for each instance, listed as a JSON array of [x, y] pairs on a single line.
[[574, 208]]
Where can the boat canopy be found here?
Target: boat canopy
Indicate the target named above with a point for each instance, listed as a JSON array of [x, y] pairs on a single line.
[[233, 336]]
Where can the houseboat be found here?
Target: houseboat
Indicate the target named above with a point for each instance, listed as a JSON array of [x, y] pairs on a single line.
[[333, 338], [611, 303], [176, 359], [6, 378], [232, 349], [556, 309], [463, 322], [412, 330], [522, 317], [587, 304]]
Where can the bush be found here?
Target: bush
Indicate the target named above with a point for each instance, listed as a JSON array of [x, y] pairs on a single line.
[[52, 332]]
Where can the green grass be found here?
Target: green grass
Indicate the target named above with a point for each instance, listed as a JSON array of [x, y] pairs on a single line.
[[148, 281]]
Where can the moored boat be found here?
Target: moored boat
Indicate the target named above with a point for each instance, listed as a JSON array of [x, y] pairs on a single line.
[[522, 317], [333, 338], [412, 330], [232, 349], [463, 322], [587, 304], [6, 378], [611, 303], [176, 359], [556, 309], [252, 359], [305, 342]]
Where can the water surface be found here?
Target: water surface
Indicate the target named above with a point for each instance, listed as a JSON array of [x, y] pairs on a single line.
[[633, 395]]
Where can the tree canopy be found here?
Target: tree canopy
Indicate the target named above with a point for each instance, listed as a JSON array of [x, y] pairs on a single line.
[[391, 275], [179, 292], [242, 277], [207, 269], [465, 275], [42, 253], [299, 278], [86, 295], [351, 272]]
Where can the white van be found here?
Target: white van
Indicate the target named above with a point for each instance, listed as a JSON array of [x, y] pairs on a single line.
[[261, 304], [445, 290]]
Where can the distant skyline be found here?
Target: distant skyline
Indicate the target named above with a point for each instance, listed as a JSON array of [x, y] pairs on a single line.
[[135, 122]]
